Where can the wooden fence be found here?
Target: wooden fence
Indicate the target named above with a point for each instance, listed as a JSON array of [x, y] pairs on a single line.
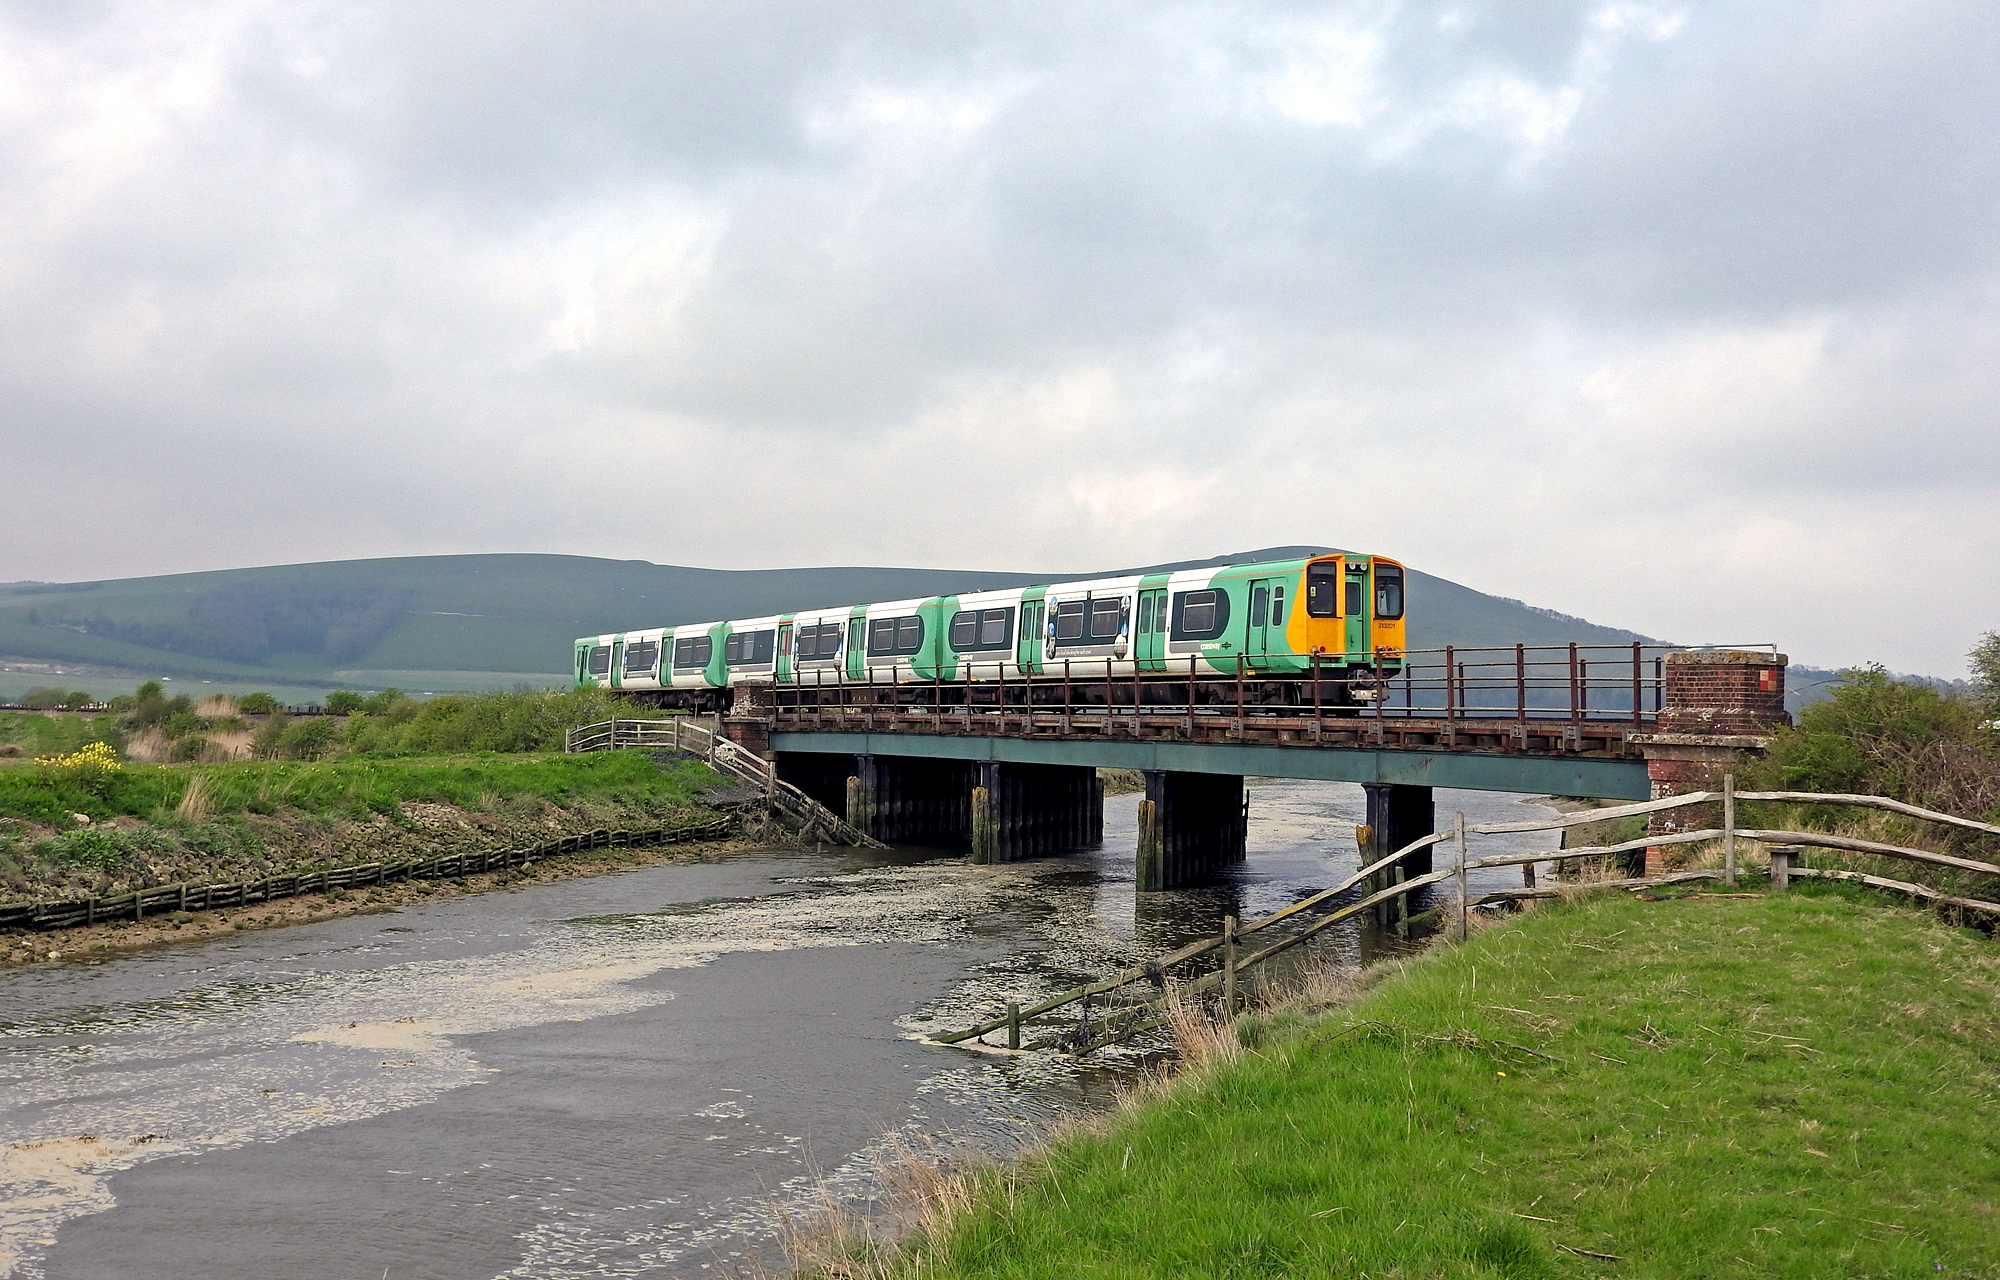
[[813, 820], [203, 897], [1118, 1018]]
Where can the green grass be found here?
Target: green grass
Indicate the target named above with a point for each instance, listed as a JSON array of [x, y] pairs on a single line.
[[42, 735], [350, 785], [1793, 1085]]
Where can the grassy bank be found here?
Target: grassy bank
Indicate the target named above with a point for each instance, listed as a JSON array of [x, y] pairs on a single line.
[[1785, 1085], [164, 824]]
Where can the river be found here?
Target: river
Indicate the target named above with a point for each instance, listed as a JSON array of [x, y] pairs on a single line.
[[628, 1074]]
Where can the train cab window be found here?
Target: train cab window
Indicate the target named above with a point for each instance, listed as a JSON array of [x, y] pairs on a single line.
[[600, 660], [1323, 591], [1068, 622], [1388, 591], [1145, 615], [641, 656], [1260, 603], [994, 624], [695, 651], [1354, 598], [1104, 617], [1199, 615], [1277, 606]]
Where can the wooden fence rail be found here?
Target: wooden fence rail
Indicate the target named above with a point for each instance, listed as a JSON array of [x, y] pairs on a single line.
[[681, 733], [1114, 1021], [205, 897]]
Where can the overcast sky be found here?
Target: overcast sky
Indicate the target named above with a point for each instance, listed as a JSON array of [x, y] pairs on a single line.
[[1677, 316]]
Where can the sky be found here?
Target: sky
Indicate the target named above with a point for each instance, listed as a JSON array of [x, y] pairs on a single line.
[[1675, 316]]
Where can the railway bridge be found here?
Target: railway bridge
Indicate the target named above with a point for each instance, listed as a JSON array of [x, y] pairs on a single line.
[[1009, 766]]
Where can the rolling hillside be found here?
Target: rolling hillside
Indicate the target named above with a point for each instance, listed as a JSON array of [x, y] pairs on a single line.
[[485, 620]]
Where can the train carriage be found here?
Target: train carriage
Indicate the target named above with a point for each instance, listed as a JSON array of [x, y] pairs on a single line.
[[1339, 616]]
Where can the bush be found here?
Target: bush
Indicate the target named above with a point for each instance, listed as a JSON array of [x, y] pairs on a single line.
[[55, 699], [193, 747], [257, 704], [91, 848], [311, 739], [343, 702]]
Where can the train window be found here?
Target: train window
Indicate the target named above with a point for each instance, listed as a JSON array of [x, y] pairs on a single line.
[[641, 656], [1104, 615], [964, 629], [600, 660], [695, 651], [806, 643], [1068, 621], [895, 637], [1353, 598], [1145, 614], [1277, 606], [993, 628], [1388, 591], [1199, 615], [1260, 603], [1323, 591], [822, 641], [732, 649], [882, 636], [749, 648]]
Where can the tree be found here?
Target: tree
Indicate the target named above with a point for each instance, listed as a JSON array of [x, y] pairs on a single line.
[[343, 702], [1984, 660], [257, 704]]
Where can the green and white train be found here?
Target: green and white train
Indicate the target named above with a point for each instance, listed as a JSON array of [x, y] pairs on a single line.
[[1269, 620]]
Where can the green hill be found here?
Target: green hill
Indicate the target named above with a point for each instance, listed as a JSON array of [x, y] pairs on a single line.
[[496, 620]]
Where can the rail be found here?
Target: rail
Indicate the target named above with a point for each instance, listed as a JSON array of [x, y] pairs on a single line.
[[1551, 698], [814, 820], [1115, 1021], [137, 905]]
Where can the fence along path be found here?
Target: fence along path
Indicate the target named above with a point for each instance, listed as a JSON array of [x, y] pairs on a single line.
[[203, 897], [679, 733], [1119, 1021]]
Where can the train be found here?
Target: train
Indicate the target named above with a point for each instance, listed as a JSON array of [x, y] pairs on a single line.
[[1337, 619]]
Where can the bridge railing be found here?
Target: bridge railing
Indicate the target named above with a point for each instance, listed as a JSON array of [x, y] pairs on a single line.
[[1118, 1018], [1578, 684]]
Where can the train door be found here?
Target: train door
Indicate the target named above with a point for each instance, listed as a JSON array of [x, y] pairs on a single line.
[[857, 648], [617, 664], [1268, 607], [1149, 644], [1028, 642], [784, 667], [1355, 609]]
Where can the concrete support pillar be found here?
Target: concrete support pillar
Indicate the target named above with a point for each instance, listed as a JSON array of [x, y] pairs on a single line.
[[1197, 826], [1717, 710]]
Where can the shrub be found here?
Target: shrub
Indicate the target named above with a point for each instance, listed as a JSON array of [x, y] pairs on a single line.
[[388, 700], [43, 699], [257, 704], [312, 739], [343, 702], [193, 747], [264, 745], [91, 767], [91, 848], [1984, 660]]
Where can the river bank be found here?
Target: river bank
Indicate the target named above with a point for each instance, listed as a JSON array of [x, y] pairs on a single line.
[[1723, 1085]]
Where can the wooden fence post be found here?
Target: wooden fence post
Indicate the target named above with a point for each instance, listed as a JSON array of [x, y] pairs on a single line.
[[1783, 857], [1229, 966], [1729, 828], [1013, 1025], [1464, 900]]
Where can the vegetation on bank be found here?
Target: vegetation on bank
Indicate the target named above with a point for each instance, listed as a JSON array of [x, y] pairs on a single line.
[[1749, 1085], [165, 824]]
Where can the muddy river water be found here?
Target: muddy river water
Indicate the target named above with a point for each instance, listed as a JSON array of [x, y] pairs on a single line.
[[622, 1075]]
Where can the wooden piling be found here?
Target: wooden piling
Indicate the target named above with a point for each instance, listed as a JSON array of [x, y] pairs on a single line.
[[1152, 871], [1229, 966], [1013, 1025], [985, 830]]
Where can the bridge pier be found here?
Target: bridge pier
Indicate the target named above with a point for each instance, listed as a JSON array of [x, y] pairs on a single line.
[[905, 798], [1028, 810], [1397, 814], [1718, 706], [1190, 826]]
